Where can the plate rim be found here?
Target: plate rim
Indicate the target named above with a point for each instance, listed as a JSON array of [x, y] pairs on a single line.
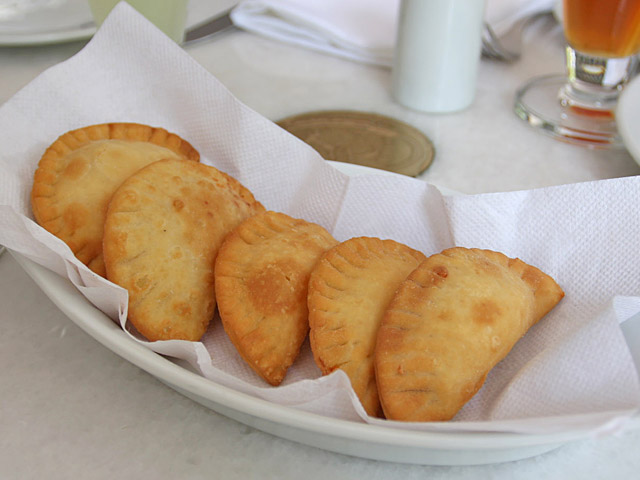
[[84, 29], [81, 32]]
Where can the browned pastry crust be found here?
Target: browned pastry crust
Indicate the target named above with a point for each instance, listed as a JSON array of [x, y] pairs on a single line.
[[80, 171], [349, 291], [262, 273], [454, 318], [163, 229]]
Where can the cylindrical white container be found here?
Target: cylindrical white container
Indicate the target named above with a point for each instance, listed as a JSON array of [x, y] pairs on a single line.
[[437, 54]]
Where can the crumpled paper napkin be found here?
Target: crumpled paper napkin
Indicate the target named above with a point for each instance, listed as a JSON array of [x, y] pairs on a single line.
[[360, 30], [573, 370]]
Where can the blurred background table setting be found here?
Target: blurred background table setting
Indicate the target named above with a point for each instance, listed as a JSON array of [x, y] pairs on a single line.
[[463, 141], [348, 77]]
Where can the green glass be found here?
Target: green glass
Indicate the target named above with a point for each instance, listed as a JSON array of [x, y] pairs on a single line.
[[170, 16]]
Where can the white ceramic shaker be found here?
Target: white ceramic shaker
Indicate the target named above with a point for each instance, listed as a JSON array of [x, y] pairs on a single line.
[[437, 54]]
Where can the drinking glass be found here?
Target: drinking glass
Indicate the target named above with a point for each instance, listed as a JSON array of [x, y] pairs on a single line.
[[603, 38], [170, 16]]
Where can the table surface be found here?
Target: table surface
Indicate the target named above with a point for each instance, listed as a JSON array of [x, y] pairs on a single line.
[[69, 408]]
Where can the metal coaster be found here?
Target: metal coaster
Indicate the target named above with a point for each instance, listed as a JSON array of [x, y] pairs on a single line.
[[365, 139]]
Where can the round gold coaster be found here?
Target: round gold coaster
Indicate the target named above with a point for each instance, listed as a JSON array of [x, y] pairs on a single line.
[[365, 139]]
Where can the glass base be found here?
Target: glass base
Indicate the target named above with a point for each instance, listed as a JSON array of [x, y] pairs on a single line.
[[539, 103]]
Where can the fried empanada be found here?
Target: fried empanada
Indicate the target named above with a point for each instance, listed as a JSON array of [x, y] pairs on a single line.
[[163, 229], [451, 321], [262, 274], [349, 291], [80, 171]]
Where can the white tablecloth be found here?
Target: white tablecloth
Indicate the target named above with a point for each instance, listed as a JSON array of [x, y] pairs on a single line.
[[76, 410]]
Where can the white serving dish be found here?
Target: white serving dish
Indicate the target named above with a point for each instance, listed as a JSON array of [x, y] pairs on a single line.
[[345, 437]]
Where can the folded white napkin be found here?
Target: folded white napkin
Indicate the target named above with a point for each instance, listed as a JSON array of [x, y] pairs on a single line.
[[360, 30], [572, 371]]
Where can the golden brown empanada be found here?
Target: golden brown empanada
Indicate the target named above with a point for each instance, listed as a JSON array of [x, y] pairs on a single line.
[[163, 229], [451, 321], [80, 171], [349, 291], [262, 274]]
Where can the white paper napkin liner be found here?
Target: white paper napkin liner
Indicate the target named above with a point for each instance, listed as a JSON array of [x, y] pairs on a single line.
[[300, 183], [335, 390]]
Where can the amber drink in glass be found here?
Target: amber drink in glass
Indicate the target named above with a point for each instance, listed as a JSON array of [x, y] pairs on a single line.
[[603, 38]]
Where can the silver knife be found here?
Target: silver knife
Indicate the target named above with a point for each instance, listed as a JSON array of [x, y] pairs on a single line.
[[209, 27]]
